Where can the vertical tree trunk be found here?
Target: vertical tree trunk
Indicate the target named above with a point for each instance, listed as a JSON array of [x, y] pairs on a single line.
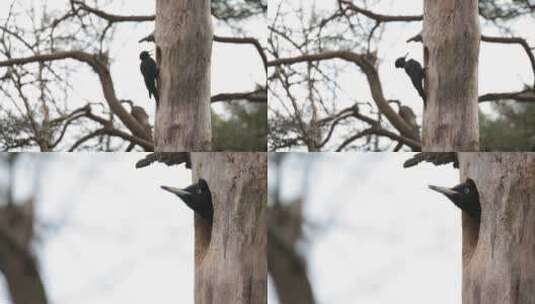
[[287, 268], [499, 254], [184, 47], [230, 256], [17, 262], [451, 36]]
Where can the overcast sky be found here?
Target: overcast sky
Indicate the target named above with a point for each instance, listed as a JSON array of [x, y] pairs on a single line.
[[381, 235], [106, 232], [241, 61], [502, 68]]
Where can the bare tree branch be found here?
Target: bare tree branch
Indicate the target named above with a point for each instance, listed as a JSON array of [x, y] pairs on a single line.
[[245, 40], [99, 66], [373, 80], [255, 96], [147, 145]]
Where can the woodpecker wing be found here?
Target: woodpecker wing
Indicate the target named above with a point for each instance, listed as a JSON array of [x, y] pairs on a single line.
[[416, 73], [414, 67], [150, 72], [152, 68]]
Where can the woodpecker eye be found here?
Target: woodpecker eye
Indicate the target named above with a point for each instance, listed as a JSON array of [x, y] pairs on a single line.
[[466, 190]]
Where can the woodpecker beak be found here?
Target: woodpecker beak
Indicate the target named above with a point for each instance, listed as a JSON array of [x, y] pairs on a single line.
[[446, 191], [177, 191]]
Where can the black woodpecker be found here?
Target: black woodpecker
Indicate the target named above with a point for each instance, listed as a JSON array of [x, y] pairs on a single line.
[[197, 197], [464, 196], [149, 70], [416, 73]]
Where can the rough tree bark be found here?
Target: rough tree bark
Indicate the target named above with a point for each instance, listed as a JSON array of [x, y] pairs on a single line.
[[451, 36], [499, 254], [183, 47], [230, 256], [17, 261]]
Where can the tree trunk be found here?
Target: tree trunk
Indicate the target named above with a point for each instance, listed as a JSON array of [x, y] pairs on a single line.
[[451, 36], [499, 254], [230, 256], [287, 268], [184, 47], [17, 262]]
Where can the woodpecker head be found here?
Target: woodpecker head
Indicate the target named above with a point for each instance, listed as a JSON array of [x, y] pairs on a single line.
[[144, 55], [197, 196], [199, 189], [400, 62], [464, 196]]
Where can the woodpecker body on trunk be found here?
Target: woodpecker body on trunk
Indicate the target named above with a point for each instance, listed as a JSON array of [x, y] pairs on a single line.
[[464, 196], [198, 197], [149, 70], [415, 72]]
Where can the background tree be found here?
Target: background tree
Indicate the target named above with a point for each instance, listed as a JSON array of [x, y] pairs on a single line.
[[44, 49], [287, 266], [18, 262], [245, 129], [318, 104], [512, 128]]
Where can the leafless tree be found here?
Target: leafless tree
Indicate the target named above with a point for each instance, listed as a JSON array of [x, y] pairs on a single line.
[[287, 266], [38, 113], [307, 56], [18, 263]]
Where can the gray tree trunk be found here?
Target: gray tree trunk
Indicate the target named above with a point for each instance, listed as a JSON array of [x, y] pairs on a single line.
[[17, 261], [183, 46], [287, 268], [230, 258], [499, 254], [451, 36]]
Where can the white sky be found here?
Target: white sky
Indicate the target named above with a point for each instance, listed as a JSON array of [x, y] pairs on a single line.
[[502, 68], [242, 61], [107, 233], [381, 235]]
